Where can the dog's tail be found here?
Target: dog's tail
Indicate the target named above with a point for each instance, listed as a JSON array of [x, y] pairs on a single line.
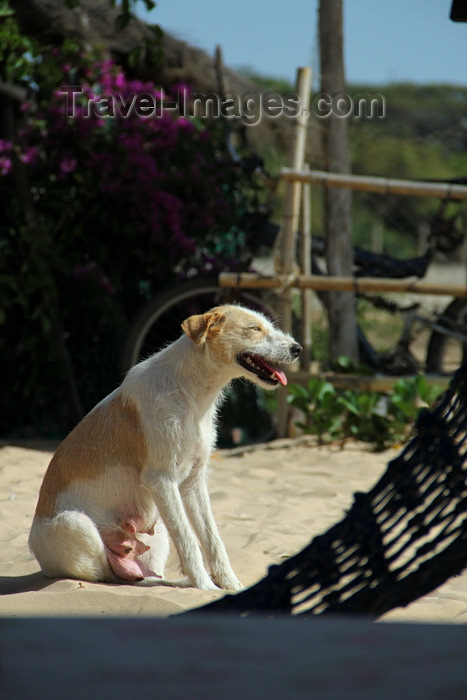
[[70, 546]]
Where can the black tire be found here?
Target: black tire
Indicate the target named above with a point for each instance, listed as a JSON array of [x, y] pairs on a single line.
[[159, 322], [445, 353]]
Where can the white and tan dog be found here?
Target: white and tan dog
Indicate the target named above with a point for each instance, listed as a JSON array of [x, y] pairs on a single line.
[[135, 468]]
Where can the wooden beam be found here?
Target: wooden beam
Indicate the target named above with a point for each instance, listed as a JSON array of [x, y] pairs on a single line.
[[250, 280], [381, 185]]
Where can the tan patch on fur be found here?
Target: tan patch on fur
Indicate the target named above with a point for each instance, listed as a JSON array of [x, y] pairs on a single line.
[[111, 434], [202, 326], [222, 325], [237, 324], [221, 351]]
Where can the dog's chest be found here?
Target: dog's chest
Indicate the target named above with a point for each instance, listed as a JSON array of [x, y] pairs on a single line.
[[201, 440], [178, 444]]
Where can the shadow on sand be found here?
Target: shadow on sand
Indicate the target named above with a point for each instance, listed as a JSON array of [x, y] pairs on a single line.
[[23, 584]]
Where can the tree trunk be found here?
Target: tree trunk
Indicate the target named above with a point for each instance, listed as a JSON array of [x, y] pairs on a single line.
[[338, 203]]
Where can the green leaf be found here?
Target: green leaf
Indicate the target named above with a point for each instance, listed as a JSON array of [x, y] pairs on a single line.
[[325, 390], [5, 10], [157, 31], [297, 390], [135, 56], [350, 403], [122, 20]]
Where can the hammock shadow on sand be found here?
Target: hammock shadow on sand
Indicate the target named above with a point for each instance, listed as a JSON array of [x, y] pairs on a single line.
[[399, 541]]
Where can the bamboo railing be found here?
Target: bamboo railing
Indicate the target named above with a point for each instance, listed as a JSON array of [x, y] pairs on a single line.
[[381, 185], [362, 285]]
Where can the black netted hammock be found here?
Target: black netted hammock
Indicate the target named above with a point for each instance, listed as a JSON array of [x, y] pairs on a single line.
[[399, 541]]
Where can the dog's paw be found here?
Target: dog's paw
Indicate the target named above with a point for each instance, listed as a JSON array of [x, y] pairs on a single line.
[[150, 581], [203, 583], [234, 586], [207, 585], [229, 583]]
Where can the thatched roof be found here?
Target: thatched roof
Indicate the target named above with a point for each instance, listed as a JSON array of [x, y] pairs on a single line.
[[93, 24]]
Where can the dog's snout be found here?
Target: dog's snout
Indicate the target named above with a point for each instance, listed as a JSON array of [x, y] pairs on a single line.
[[296, 349]]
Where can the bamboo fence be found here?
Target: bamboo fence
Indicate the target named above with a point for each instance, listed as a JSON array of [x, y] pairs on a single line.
[[381, 185], [250, 280]]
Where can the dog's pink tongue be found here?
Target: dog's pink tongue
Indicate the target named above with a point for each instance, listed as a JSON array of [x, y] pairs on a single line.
[[278, 373]]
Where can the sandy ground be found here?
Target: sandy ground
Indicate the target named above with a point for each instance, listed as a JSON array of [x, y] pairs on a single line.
[[268, 503]]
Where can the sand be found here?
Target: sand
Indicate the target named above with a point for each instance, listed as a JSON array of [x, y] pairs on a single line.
[[268, 503]]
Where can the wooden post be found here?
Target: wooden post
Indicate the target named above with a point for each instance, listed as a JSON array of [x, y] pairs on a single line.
[[305, 255], [287, 263], [337, 203], [377, 237]]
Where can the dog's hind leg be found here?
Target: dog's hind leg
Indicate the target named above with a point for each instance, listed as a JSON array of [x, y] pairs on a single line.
[[69, 546], [159, 546]]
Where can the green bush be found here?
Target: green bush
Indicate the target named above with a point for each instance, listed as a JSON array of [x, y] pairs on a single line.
[[377, 418], [111, 209]]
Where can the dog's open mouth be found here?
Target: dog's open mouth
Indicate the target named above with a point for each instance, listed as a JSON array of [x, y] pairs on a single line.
[[263, 369]]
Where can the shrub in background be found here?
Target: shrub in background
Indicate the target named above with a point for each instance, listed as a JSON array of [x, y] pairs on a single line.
[[123, 206], [377, 418]]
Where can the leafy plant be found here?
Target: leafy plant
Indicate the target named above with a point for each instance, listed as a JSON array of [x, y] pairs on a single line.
[[374, 417], [318, 402], [407, 398], [364, 418]]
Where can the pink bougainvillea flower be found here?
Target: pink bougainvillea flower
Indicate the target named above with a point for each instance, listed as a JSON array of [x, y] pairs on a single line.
[[6, 165], [30, 155], [68, 165]]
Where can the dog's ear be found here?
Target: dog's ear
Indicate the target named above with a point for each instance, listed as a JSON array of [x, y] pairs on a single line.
[[199, 327]]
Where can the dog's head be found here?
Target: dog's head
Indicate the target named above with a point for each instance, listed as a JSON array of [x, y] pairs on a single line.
[[245, 342]]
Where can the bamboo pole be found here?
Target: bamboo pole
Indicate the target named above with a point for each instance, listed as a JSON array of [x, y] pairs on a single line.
[[305, 255], [250, 280], [380, 185], [287, 262]]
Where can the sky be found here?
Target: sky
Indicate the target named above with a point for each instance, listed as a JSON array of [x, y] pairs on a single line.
[[385, 40]]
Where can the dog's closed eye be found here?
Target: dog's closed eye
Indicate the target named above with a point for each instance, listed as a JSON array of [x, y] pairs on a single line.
[[254, 328]]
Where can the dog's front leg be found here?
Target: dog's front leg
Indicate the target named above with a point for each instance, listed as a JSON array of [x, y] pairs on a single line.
[[171, 509], [195, 495]]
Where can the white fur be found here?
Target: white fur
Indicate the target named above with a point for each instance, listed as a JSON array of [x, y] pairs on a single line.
[[174, 395]]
